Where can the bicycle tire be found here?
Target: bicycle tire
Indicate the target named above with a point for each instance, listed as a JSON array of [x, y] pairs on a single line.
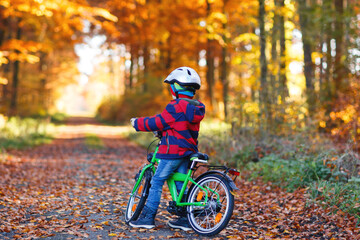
[[134, 208], [211, 219]]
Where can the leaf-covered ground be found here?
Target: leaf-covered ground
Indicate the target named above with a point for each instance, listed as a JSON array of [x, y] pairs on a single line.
[[70, 190]]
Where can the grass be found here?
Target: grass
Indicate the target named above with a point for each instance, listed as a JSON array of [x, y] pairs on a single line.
[[324, 172], [94, 142], [18, 133], [300, 160], [340, 196]]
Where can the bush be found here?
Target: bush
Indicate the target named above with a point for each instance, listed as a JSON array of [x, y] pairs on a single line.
[[339, 196], [135, 103], [58, 117], [93, 141], [323, 173], [23, 132], [293, 161], [294, 173]]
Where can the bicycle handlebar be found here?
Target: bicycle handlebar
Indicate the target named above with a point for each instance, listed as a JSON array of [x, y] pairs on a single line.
[[157, 134]]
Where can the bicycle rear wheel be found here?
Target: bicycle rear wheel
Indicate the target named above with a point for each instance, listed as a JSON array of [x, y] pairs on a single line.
[[138, 197], [210, 219]]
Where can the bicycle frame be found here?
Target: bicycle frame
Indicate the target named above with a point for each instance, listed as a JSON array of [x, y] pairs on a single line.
[[185, 178]]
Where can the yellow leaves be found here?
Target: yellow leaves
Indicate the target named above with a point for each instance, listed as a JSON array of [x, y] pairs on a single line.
[[316, 55], [98, 227], [3, 59], [251, 107], [176, 235], [234, 194], [218, 16], [18, 50], [35, 7], [24, 57], [21, 46], [5, 3], [142, 2], [211, 1], [91, 12], [105, 223], [105, 14], [347, 115], [246, 37], [322, 124]]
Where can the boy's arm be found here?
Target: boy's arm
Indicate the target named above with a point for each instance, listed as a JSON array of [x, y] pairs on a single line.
[[159, 122]]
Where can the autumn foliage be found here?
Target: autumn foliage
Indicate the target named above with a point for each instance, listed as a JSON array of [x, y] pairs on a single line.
[[280, 80], [71, 189]]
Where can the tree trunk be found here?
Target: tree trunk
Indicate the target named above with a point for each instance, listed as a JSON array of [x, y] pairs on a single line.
[[338, 34], [307, 48], [324, 41], [274, 56], [282, 74], [169, 56], [3, 31], [43, 81], [15, 79], [131, 70], [263, 65], [274, 86], [327, 74], [210, 72], [6, 68], [224, 67], [224, 80], [146, 56]]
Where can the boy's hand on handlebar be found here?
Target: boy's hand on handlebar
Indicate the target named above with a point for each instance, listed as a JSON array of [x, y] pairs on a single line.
[[157, 134], [132, 121]]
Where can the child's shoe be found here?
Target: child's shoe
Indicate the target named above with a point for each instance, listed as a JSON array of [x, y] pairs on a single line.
[[145, 220], [181, 223]]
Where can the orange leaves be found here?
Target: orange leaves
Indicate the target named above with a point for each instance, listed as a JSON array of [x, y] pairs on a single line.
[[19, 50], [21, 46], [68, 189], [104, 13], [51, 21], [50, 7]]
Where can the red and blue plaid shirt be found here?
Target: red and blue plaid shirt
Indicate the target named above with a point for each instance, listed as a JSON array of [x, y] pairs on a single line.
[[180, 124]]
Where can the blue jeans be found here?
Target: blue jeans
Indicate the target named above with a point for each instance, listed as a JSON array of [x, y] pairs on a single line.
[[163, 171]]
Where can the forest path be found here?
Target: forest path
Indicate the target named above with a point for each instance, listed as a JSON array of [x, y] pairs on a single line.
[[69, 190]]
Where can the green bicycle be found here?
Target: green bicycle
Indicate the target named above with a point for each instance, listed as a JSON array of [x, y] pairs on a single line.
[[210, 201]]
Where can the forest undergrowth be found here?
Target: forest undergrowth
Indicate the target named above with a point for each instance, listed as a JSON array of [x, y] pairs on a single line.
[[329, 172]]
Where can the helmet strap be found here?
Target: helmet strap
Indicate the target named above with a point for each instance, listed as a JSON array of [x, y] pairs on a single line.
[[186, 92]]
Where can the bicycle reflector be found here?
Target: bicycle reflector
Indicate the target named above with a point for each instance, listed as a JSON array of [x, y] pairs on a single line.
[[234, 172]]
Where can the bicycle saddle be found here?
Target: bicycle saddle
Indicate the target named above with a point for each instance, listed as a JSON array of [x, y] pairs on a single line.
[[200, 155]]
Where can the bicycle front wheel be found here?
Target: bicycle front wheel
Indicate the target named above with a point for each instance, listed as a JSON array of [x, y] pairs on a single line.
[[210, 219], [138, 197]]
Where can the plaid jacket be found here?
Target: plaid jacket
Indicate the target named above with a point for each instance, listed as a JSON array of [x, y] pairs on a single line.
[[180, 124]]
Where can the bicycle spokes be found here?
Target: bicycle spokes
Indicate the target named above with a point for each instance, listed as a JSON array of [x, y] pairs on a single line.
[[138, 196], [217, 210]]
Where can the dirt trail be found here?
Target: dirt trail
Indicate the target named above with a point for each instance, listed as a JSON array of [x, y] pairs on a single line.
[[67, 190]]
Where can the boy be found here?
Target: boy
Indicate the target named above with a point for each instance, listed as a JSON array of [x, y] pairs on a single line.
[[179, 123]]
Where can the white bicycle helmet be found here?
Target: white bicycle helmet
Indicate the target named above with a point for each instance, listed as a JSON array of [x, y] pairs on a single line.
[[184, 76]]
